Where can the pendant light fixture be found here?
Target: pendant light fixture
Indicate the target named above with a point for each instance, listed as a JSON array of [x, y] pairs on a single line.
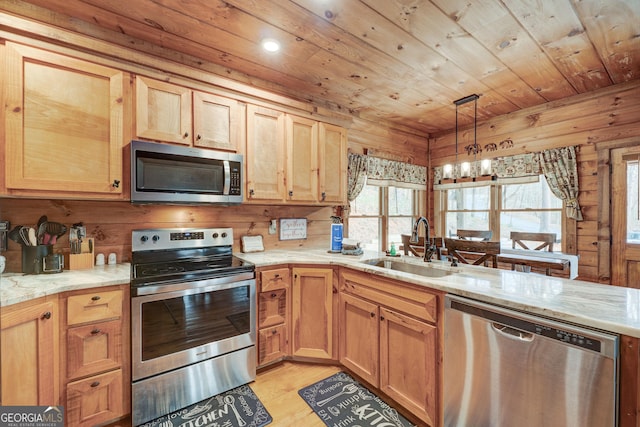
[[468, 171]]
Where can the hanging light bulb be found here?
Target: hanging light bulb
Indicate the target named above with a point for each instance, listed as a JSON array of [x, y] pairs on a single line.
[[485, 167], [447, 171], [465, 169]]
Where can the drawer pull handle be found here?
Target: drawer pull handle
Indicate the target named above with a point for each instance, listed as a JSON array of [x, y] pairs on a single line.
[[96, 331], [274, 295], [95, 384], [46, 315], [96, 298]]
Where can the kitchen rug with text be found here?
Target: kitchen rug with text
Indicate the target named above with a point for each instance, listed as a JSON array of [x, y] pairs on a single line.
[[341, 401], [237, 407]]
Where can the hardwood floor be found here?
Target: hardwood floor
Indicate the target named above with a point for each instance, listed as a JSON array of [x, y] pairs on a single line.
[[277, 387]]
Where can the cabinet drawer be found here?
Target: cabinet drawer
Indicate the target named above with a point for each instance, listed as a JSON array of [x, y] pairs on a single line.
[[272, 308], [95, 400], [94, 348], [94, 307], [275, 279], [400, 296], [273, 344]]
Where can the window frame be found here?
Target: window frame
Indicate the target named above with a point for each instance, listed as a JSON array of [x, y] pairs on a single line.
[[495, 207], [384, 215]]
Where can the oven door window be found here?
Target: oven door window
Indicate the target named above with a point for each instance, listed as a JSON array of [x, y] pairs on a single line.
[[181, 323]]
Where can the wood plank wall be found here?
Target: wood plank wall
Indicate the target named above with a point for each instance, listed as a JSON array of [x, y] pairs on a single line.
[[584, 121]]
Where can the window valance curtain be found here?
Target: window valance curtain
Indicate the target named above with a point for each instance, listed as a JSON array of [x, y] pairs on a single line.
[[363, 169], [558, 165]]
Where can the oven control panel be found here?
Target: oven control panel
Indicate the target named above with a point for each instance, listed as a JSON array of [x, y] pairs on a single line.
[[178, 238]]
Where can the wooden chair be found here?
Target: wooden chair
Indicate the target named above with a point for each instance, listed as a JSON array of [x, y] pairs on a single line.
[[545, 240], [482, 235], [417, 249], [473, 252]]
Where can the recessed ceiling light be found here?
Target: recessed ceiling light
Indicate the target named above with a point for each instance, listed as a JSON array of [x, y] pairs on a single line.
[[270, 45]]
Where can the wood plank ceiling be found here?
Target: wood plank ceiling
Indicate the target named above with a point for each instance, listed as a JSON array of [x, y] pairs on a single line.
[[401, 61]]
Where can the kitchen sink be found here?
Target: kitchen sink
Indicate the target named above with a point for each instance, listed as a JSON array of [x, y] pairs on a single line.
[[425, 270]]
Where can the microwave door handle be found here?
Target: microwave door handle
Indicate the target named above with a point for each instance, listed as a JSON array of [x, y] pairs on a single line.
[[227, 177]]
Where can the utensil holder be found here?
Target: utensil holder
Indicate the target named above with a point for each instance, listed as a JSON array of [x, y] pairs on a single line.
[[32, 258], [83, 260]]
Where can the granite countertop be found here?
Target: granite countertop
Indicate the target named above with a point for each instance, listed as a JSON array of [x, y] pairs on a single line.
[[18, 287], [610, 308]]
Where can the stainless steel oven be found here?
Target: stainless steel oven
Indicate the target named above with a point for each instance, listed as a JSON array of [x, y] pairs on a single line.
[[192, 319]]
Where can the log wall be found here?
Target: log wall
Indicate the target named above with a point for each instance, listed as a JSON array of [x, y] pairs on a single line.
[[584, 121]]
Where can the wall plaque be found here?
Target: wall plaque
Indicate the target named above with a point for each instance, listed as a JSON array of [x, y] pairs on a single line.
[[293, 228]]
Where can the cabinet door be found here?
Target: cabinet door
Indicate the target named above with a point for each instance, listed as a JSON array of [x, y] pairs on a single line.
[[408, 363], [95, 399], [302, 159], [64, 124], [29, 354], [312, 313], [359, 323], [333, 164], [264, 158], [216, 122], [272, 344], [163, 111], [94, 348]]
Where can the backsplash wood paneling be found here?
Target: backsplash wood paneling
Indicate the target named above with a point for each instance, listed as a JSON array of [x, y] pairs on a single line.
[[111, 223]]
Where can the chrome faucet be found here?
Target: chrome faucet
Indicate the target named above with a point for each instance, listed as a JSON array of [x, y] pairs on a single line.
[[429, 249]]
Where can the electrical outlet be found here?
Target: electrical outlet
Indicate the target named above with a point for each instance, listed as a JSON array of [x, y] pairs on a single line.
[[273, 227]]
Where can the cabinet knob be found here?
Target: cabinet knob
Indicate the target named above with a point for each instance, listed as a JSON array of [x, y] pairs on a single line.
[[46, 315], [116, 183], [186, 135], [198, 137], [251, 192], [96, 331], [95, 384], [382, 318], [277, 276], [373, 314], [324, 196], [290, 193], [274, 332], [95, 298], [274, 295]]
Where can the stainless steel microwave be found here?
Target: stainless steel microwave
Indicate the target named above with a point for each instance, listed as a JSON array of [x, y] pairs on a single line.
[[163, 173]]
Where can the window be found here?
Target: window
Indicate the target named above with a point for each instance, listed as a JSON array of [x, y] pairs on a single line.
[[379, 215], [503, 208]]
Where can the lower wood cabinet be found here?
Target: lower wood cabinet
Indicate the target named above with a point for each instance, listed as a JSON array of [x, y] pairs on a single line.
[[390, 338], [312, 313], [29, 353], [273, 314], [95, 356]]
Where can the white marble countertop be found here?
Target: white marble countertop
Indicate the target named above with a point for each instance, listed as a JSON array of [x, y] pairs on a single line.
[[609, 308], [18, 287]]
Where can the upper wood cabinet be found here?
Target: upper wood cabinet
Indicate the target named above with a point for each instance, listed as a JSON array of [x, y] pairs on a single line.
[[173, 113], [64, 128], [294, 159]]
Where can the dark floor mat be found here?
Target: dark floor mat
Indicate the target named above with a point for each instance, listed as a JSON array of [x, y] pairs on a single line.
[[341, 401], [237, 407]]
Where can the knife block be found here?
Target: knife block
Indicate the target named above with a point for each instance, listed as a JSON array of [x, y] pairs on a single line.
[[81, 261]]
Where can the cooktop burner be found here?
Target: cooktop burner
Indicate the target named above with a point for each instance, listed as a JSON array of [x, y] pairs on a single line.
[[162, 256]]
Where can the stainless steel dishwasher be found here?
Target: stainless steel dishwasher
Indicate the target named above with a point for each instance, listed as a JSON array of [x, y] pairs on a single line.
[[503, 368]]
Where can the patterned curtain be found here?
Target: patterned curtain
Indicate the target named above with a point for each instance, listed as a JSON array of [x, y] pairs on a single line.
[[560, 168], [356, 175], [385, 172]]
